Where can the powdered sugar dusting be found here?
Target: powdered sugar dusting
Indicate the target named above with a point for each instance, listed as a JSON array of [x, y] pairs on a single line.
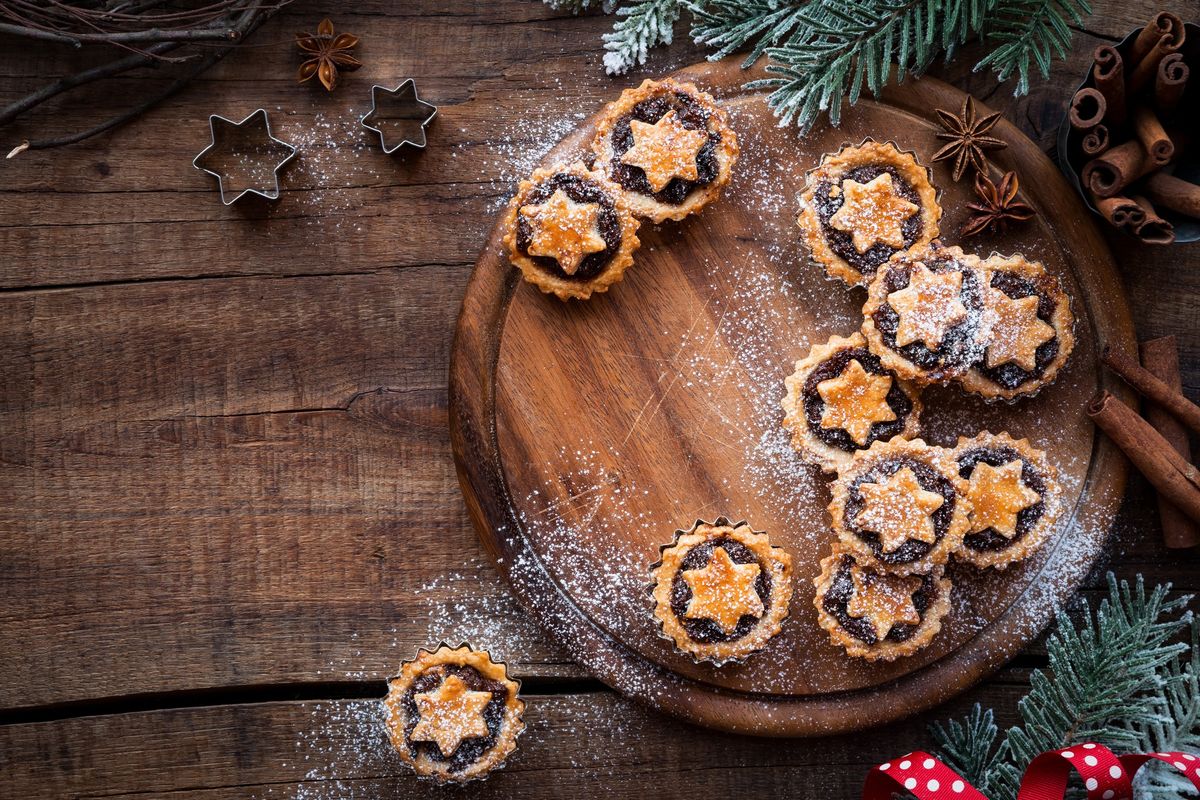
[[597, 529]]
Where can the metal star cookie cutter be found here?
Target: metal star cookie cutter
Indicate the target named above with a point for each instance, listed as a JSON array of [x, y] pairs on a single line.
[[244, 157], [403, 113]]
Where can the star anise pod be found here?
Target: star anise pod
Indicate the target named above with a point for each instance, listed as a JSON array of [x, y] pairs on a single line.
[[968, 138], [997, 205], [327, 54]]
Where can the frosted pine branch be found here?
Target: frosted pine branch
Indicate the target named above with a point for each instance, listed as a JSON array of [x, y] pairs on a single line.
[[640, 26]]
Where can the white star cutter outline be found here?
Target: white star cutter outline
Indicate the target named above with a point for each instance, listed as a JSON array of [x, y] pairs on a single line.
[[215, 121], [406, 93]]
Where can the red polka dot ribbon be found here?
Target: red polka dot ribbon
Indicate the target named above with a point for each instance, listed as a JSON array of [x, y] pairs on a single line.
[[1106, 776]]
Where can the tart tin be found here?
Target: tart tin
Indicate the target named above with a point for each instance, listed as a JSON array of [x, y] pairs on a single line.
[[1071, 159], [1021, 398], [719, 522], [937, 195], [441, 780]]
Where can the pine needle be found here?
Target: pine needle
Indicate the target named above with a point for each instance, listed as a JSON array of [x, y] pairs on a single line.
[[826, 53], [1119, 678]]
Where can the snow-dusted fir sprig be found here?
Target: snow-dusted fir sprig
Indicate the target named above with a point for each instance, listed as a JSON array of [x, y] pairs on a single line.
[[824, 53], [640, 26], [1119, 677], [579, 6]]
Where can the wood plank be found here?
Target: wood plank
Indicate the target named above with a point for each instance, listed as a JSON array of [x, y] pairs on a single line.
[[592, 744], [189, 497], [235, 482], [204, 487], [341, 179], [124, 418]]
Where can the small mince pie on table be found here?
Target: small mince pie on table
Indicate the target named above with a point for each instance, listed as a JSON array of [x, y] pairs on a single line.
[[721, 591], [668, 146], [876, 615], [865, 204], [900, 507], [841, 399], [453, 714], [924, 316], [1030, 335], [570, 231], [1015, 498]]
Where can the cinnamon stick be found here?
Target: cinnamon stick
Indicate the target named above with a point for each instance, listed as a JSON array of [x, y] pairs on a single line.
[[1171, 192], [1151, 228], [1153, 136], [1095, 141], [1145, 69], [1122, 212], [1117, 167], [1088, 107], [1160, 357], [1151, 387], [1170, 82], [1108, 73], [1164, 24], [1174, 478]]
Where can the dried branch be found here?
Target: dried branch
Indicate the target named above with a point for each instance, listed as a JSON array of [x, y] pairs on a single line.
[[135, 26]]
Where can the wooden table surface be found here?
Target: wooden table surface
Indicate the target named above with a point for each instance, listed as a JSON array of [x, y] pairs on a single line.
[[228, 508]]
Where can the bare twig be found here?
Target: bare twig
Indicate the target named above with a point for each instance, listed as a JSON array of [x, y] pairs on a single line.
[[226, 22], [125, 37], [17, 107], [125, 116]]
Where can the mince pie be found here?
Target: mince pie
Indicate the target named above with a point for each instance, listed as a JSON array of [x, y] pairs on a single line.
[[721, 590], [570, 231], [865, 204], [900, 506], [1030, 336], [841, 399], [924, 315], [453, 714], [668, 146], [877, 615], [1014, 495]]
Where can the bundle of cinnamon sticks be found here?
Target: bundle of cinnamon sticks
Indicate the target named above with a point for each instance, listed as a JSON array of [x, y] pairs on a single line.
[[1157, 444], [1133, 125]]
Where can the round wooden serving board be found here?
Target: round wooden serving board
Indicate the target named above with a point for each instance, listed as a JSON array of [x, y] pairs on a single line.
[[586, 433]]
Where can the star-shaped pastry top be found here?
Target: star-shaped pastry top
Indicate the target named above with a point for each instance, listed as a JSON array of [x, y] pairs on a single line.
[[449, 714], [997, 496], [564, 230], [1017, 331], [883, 600], [928, 307], [856, 400], [898, 509], [873, 212], [723, 591], [664, 150]]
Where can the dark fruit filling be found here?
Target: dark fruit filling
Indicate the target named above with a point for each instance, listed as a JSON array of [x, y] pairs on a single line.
[[842, 242], [1030, 476], [691, 115], [930, 480], [471, 750], [814, 406], [841, 589], [958, 347], [704, 630], [1010, 376], [580, 190]]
